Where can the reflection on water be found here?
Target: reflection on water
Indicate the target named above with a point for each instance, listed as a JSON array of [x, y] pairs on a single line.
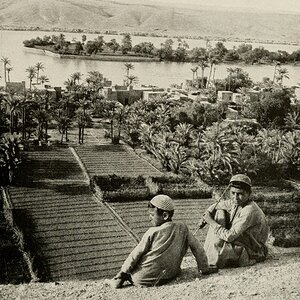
[[154, 73]]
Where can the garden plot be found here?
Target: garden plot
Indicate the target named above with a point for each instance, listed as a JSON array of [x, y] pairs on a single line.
[[114, 159], [73, 235], [50, 164]]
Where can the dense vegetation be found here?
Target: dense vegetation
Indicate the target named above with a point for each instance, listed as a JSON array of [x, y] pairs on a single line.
[[186, 136], [170, 50]]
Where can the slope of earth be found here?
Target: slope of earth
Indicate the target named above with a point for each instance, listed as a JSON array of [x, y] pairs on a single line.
[[73, 235], [275, 279]]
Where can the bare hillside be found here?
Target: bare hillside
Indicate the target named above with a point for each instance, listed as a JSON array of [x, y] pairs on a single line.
[[102, 15]]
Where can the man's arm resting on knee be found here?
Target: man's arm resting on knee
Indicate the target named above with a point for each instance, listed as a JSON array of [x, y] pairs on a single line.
[[199, 253]]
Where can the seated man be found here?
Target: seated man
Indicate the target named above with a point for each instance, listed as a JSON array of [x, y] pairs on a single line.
[[158, 256], [238, 228]]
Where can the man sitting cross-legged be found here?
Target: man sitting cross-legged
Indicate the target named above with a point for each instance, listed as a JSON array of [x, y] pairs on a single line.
[[238, 228], [158, 256]]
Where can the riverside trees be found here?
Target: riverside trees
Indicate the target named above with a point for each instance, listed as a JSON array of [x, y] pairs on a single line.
[[169, 50]]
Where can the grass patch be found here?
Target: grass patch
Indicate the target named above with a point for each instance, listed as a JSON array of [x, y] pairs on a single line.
[[182, 187], [120, 188]]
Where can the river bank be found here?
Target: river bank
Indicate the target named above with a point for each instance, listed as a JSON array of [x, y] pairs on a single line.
[[98, 57]]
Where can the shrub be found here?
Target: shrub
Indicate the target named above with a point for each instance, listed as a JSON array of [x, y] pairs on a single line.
[[10, 157], [182, 187], [116, 188]]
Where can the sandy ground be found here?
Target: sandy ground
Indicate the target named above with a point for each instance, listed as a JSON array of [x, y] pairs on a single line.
[[276, 278]]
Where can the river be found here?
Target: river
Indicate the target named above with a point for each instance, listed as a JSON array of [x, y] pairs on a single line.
[[161, 74]]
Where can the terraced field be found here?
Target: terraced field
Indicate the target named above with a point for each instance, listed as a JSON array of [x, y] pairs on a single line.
[[189, 211], [50, 164], [70, 232], [113, 159], [75, 235]]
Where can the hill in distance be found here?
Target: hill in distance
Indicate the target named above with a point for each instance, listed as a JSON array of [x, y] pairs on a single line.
[[105, 15]]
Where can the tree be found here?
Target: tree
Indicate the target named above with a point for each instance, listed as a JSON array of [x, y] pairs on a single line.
[[11, 102], [78, 48], [277, 64], [116, 113], [237, 79], [273, 107], [38, 67], [83, 38], [64, 123], [212, 60], [31, 74], [128, 67], [203, 64], [282, 73], [113, 45], [10, 157], [8, 69], [166, 51], [95, 81], [83, 117], [220, 50], [76, 77], [126, 43], [131, 79], [43, 79], [194, 70], [6, 62], [98, 44], [230, 71]]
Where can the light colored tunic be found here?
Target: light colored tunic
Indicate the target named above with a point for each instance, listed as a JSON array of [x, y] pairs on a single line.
[[159, 254], [244, 242]]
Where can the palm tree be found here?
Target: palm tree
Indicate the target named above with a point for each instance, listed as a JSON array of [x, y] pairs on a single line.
[[131, 79], [38, 66], [203, 64], [95, 80], [230, 71], [69, 83], [11, 102], [212, 59], [76, 77], [128, 66], [43, 79], [8, 69], [64, 123], [277, 64], [31, 74], [6, 62], [282, 73], [194, 70]]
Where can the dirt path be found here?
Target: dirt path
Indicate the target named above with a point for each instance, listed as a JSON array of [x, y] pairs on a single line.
[[277, 278]]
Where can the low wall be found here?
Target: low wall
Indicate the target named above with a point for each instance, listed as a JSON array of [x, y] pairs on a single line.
[[41, 52]]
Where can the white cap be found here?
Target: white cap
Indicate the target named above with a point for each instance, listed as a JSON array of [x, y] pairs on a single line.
[[163, 202]]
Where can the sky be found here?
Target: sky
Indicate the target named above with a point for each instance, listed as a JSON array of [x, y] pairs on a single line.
[[266, 5]]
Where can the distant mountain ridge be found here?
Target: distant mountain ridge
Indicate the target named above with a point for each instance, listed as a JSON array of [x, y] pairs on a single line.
[[102, 15]]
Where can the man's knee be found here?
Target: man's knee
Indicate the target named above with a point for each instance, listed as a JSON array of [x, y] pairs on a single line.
[[220, 217]]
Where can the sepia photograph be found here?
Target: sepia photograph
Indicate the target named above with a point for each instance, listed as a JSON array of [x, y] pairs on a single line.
[[149, 149]]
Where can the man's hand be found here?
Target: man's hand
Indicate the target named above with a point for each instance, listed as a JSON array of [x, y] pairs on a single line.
[[118, 281], [208, 218]]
